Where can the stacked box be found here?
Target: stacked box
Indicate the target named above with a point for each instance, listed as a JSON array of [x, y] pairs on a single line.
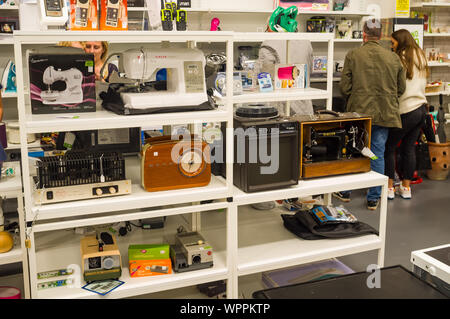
[[149, 260]]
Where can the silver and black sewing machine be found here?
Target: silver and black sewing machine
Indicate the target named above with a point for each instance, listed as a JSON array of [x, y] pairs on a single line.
[[181, 68], [73, 92]]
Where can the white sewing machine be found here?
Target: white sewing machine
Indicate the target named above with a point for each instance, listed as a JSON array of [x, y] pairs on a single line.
[[73, 92], [185, 77]]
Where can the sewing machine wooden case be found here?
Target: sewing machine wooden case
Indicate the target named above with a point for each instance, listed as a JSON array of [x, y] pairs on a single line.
[[190, 167], [326, 144]]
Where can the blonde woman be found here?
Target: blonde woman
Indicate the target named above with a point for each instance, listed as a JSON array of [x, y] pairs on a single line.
[[100, 51]]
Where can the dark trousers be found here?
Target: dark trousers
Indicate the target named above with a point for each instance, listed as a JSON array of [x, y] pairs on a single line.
[[412, 123]]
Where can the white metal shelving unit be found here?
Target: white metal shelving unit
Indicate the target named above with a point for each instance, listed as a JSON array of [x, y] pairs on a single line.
[[49, 223], [11, 187], [276, 247], [91, 212]]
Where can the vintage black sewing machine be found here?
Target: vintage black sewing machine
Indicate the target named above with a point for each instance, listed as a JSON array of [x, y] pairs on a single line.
[[331, 143]]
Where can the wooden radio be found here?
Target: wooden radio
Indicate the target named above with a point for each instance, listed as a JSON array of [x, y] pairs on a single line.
[[331, 143], [174, 164]]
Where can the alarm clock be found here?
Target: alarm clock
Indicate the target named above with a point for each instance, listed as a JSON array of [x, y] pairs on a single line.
[[174, 164]]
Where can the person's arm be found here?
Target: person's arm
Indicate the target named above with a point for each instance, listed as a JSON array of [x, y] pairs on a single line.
[[346, 79], [1, 105], [401, 80]]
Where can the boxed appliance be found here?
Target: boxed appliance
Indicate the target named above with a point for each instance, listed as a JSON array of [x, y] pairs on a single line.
[[306, 5], [149, 260], [293, 76], [62, 80], [83, 15], [113, 15]]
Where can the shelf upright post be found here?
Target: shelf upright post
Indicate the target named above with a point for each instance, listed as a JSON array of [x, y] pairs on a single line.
[[25, 202], [382, 226], [232, 217], [229, 107], [232, 251], [330, 74]]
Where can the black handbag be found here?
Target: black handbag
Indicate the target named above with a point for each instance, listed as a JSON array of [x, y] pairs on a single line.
[[423, 161], [304, 226]]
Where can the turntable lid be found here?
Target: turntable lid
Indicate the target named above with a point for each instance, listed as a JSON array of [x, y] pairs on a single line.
[[257, 111]]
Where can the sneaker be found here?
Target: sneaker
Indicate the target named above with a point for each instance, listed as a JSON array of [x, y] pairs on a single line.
[[391, 193], [373, 204], [405, 192], [345, 197]]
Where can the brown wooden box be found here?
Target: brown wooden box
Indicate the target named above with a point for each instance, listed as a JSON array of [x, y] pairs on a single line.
[[323, 122]]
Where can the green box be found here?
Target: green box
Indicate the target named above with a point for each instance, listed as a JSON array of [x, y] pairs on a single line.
[[148, 252]]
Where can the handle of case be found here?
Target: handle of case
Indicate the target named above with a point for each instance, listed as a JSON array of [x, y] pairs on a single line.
[[328, 112]]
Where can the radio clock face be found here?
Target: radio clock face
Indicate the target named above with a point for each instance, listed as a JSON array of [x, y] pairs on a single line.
[[191, 163]]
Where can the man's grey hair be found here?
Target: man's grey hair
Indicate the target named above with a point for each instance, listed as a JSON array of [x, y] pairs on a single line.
[[372, 28]]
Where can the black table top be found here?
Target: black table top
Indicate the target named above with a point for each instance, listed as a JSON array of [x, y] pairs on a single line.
[[394, 283]]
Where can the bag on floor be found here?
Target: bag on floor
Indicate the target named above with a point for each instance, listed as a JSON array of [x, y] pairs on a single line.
[[305, 226]]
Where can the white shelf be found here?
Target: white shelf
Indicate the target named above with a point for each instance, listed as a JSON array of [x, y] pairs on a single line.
[[102, 119], [436, 4], [66, 251], [136, 9], [281, 95], [263, 36], [139, 198], [143, 285], [429, 35], [6, 95], [6, 39], [438, 64], [12, 256], [323, 80], [36, 37], [268, 245], [269, 11], [4, 7], [9, 186], [348, 40], [12, 146], [438, 93], [315, 186]]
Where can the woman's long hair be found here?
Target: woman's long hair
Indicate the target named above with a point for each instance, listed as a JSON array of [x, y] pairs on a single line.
[[408, 50]]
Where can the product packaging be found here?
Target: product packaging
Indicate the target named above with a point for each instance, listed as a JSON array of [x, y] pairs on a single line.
[[149, 260], [83, 15], [61, 82], [314, 5], [113, 15], [291, 76]]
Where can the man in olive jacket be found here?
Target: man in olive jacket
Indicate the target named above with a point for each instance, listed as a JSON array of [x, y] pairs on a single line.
[[372, 81]]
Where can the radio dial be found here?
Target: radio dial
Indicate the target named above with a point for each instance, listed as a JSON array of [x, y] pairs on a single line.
[[99, 191], [112, 190], [191, 163]]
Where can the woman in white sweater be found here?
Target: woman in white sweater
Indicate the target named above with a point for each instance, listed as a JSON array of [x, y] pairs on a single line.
[[413, 108]]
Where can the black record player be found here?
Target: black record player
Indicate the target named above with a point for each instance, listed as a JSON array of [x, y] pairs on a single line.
[[261, 163], [257, 111]]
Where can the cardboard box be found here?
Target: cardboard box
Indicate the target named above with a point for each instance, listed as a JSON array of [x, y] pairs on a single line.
[[113, 15], [83, 15], [61, 82], [149, 260]]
